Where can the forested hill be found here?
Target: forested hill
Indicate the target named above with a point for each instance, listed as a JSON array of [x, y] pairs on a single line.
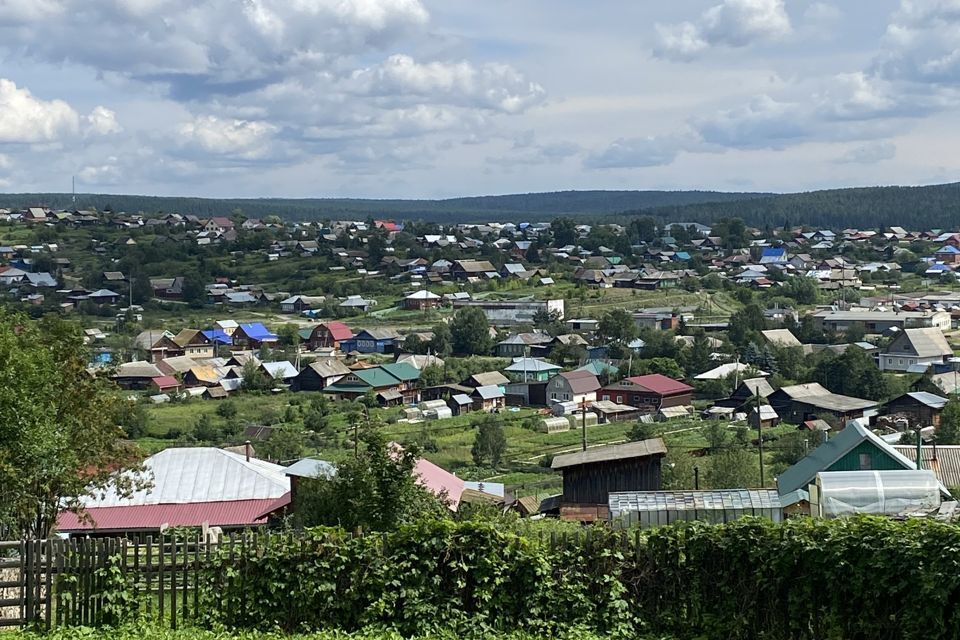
[[529, 206], [929, 207]]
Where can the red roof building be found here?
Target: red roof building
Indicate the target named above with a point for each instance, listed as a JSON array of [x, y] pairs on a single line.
[[650, 392], [189, 487], [165, 383], [329, 334]]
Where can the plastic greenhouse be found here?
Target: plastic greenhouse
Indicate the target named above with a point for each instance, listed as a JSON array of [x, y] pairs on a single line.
[[891, 493]]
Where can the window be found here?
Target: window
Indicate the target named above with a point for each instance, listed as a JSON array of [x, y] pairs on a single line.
[[866, 463], [605, 397]]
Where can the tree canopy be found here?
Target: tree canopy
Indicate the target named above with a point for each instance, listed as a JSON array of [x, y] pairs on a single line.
[[60, 432]]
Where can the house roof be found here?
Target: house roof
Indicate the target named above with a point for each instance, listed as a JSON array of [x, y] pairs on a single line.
[[257, 331], [700, 501], [927, 342], [823, 457], [311, 468], [757, 387], [379, 334], [609, 453], [280, 370], [661, 384], [338, 330], [138, 369], [186, 336], [488, 378], [929, 399], [943, 460], [531, 365], [724, 370], [224, 513], [327, 367], [423, 294], [401, 371], [815, 395], [199, 474], [461, 399], [581, 381], [165, 381], [489, 392], [781, 337]]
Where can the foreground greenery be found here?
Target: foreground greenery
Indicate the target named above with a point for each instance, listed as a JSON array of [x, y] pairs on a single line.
[[864, 577], [157, 632]]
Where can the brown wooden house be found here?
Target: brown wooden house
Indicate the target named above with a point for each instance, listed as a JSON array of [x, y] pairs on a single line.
[[921, 409]]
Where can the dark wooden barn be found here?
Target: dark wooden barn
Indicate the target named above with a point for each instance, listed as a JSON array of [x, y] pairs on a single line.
[[590, 476]]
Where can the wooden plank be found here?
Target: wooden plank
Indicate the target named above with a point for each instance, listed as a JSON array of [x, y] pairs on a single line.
[[196, 577], [149, 575], [48, 583], [28, 583], [186, 578], [160, 581], [173, 584], [59, 551]]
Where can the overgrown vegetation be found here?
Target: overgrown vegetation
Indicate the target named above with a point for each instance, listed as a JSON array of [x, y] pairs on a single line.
[[802, 579]]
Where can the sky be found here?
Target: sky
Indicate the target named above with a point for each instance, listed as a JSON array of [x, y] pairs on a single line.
[[443, 98]]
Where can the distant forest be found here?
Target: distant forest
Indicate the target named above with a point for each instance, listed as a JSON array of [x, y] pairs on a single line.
[[932, 207], [525, 207]]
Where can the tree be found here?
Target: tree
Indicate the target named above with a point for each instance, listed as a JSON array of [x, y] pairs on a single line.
[[949, 430], [142, 289], [732, 469], [227, 409], [716, 435], [441, 344], [204, 430], [283, 445], [413, 343], [564, 231], [549, 322], [59, 434], [617, 326], [377, 490], [853, 373], [470, 332], [745, 324], [696, 358], [664, 366], [490, 441], [642, 431], [253, 378]]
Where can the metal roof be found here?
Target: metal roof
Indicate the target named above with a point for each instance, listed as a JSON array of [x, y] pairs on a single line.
[[232, 513], [531, 365], [823, 457], [931, 400], [200, 474], [311, 468], [720, 500], [943, 460], [280, 370], [489, 392], [643, 448]]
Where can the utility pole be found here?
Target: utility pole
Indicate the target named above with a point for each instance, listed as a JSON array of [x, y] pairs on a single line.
[[583, 425], [760, 437]]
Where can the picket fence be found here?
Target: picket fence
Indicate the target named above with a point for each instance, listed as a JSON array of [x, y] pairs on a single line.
[[60, 582]]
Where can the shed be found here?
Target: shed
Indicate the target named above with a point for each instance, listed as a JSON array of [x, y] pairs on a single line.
[[656, 508], [461, 403], [590, 476]]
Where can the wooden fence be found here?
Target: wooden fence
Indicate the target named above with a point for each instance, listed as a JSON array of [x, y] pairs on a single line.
[[47, 583]]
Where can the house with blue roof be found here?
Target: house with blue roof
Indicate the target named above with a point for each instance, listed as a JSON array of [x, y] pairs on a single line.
[[773, 255], [947, 254], [253, 335], [372, 341], [218, 337]]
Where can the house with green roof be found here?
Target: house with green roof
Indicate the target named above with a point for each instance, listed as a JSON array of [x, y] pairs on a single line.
[[392, 383], [855, 448]]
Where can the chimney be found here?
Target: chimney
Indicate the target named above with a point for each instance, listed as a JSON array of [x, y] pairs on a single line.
[[246, 450]]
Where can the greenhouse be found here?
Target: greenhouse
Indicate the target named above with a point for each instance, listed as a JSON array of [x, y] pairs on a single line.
[[890, 493], [655, 508]]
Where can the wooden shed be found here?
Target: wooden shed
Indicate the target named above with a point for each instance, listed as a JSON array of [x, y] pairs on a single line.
[[590, 476]]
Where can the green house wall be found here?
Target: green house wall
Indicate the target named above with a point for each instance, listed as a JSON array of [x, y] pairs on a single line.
[[879, 459]]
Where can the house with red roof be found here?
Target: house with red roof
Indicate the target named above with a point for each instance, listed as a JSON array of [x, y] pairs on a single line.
[[327, 335], [165, 384], [650, 393], [184, 487]]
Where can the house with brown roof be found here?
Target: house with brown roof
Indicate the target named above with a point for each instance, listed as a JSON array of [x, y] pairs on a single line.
[[650, 392], [464, 269], [573, 386], [194, 343]]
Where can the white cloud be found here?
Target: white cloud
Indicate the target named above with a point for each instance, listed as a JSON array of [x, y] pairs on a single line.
[[107, 173], [870, 153], [237, 138], [650, 151], [5, 162], [733, 23], [101, 122], [491, 86], [922, 43], [26, 119]]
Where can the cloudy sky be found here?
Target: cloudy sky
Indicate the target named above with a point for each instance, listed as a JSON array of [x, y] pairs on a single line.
[[437, 98]]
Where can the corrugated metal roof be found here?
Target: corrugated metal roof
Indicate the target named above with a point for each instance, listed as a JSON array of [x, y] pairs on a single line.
[[640, 449], [232, 513], [943, 460], [659, 383], [200, 474]]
